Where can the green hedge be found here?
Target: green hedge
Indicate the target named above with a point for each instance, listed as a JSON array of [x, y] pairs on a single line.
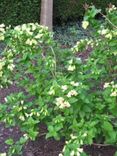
[[15, 12], [72, 9]]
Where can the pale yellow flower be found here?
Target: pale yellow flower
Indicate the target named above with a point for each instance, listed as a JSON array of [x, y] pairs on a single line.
[[38, 36], [1, 37], [61, 103], [11, 67], [64, 87], [72, 93], [106, 85], [74, 83], [104, 31], [52, 92], [109, 36], [2, 154], [31, 42], [70, 61], [72, 153], [2, 25], [114, 93], [1, 73], [85, 24], [73, 136], [71, 67]]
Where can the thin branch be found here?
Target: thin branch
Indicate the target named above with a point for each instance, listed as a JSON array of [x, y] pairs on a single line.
[[108, 20]]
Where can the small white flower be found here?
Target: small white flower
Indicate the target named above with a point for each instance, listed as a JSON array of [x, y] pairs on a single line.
[[51, 92], [60, 154], [38, 36], [71, 67], [104, 31], [80, 150], [2, 30], [2, 25], [1, 86], [70, 61], [72, 93], [72, 153], [61, 103], [85, 24], [78, 154], [5, 99], [106, 85], [73, 136], [11, 67], [66, 104], [17, 28], [114, 93], [24, 27], [1, 37], [2, 154], [31, 42], [22, 118], [26, 136], [85, 134], [1, 73], [109, 36], [22, 102], [1, 65], [64, 87], [75, 83]]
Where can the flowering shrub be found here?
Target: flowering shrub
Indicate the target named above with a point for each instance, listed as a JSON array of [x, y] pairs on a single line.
[[75, 98]]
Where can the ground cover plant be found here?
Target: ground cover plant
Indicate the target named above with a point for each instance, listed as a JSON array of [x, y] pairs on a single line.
[[75, 98], [67, 35]]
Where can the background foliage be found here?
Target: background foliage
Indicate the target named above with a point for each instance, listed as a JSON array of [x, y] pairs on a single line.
[[16, 12]]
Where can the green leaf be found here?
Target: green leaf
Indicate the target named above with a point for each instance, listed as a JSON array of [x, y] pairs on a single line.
[[107, 126], [9, 142]]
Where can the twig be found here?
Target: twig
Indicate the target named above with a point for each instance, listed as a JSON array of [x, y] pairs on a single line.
[[101, 145], [108, 20]]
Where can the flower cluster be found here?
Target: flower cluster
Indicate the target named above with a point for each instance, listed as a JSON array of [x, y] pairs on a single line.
[[72, 93], [61, 103], [112, 86]]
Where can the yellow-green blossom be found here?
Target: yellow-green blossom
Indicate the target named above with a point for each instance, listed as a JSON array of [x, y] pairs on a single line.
[[71, 67], [11, 67], [109, 36], [85, 24], [61, 103], [64, 87], [31, 42], [1, 37], [74, 83], [72, 93], [106, 85], [114, 93], [1, 73]]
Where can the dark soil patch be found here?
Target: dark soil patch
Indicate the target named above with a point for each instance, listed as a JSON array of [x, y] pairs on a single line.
[[100, 150]]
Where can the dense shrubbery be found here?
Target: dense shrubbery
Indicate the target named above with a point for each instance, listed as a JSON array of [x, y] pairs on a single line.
[[19, 12], [76, 99]]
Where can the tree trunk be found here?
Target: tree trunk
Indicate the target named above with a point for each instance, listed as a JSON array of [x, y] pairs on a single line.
[[46, 18]]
